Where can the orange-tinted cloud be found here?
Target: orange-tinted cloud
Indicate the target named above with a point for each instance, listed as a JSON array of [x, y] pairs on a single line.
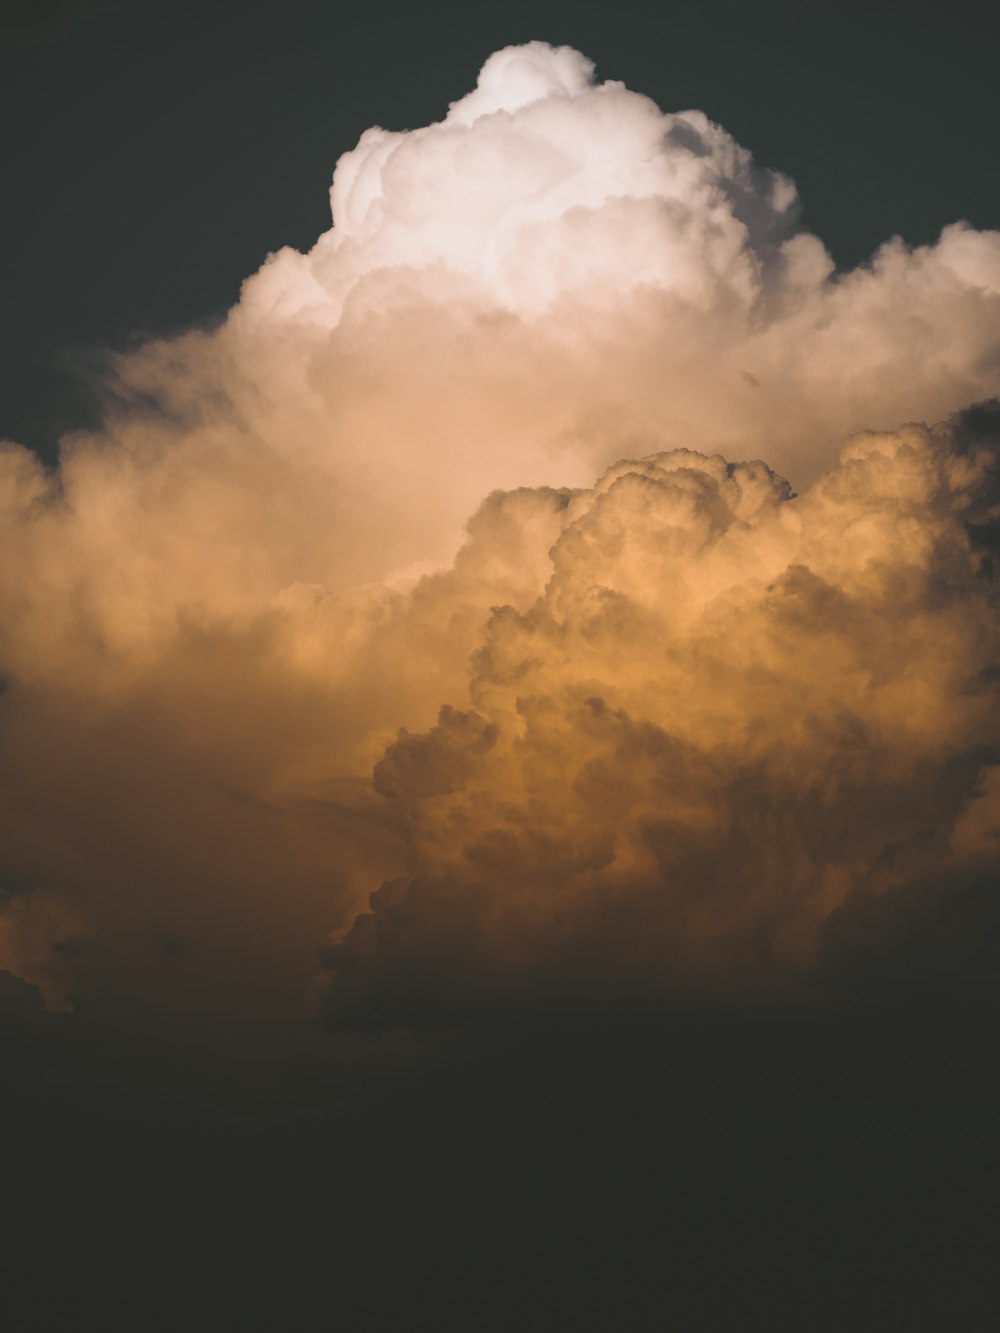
[[731, 721], [218, 612]]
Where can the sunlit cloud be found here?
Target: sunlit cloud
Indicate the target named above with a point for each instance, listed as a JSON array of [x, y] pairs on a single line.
[[670, 728]]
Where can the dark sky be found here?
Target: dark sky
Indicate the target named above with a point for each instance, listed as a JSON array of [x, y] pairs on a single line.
[[155, 151]]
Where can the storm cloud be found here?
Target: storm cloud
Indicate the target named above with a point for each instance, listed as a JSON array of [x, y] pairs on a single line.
[[677, 727]]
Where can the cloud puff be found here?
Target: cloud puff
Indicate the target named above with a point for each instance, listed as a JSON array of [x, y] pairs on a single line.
[[625, 273], [732, 723], [219, 610]]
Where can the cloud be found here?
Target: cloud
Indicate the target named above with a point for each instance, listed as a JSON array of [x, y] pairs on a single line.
[[699, 711], [739, 737]]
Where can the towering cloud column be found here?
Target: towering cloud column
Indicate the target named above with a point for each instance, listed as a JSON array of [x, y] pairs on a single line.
[[676, 728]]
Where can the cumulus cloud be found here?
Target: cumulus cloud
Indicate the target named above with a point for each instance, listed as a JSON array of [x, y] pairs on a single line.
[[731, 721], [626, 274], [702, 717]]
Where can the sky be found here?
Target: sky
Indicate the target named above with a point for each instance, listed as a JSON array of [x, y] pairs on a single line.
[[498, 666]]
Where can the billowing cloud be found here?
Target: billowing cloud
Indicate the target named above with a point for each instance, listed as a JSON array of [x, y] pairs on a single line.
[[731, 720], [702, 717]]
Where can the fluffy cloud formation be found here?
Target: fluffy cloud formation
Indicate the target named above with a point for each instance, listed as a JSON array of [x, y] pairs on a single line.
[[555, 276], [731, 719], [702, 716], [624, 274]]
